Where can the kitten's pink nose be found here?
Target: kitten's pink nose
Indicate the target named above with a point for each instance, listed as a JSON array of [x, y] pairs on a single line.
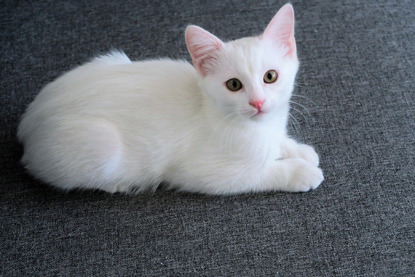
[[257, 104]]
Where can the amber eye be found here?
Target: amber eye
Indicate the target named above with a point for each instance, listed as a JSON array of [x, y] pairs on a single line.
[[234, 84], [270, 76]]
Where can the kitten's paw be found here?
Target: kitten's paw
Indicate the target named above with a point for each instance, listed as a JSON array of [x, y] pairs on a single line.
[[302, 151], [305, 177], [308, 153]]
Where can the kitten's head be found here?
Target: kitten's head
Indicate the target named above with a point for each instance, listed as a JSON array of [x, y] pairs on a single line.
[[250, 77]]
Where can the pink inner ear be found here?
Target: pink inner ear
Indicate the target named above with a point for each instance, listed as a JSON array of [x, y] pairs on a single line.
[[202, 46], [291, 46], [281, 29]]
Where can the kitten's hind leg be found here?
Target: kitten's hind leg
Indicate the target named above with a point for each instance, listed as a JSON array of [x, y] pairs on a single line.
[[102, 143], [88, 155]]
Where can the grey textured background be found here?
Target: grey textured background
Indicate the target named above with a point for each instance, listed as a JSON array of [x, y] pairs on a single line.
[[357, 75]]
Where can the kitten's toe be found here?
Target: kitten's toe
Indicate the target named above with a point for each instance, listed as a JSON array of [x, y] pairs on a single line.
[[308, 153], [306, 176]]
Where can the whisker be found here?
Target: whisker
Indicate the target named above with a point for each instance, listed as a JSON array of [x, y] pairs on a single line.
[[295, 119], [293, 124], [298, 85], [303, 97], [294, 109], [302, 106]]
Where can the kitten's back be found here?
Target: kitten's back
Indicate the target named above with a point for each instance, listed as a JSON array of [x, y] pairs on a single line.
[[105, 119]]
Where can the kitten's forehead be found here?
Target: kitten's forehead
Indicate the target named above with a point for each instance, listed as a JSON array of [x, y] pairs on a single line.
[[245, 41], [251, 55]]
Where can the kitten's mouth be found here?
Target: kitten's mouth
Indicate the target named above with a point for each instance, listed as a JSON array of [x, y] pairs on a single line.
[[257, 114]]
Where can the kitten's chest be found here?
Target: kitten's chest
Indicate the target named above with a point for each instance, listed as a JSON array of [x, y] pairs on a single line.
[[253, 145]]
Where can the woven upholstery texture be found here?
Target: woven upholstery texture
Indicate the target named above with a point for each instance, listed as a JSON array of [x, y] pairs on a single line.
[[355, 102]]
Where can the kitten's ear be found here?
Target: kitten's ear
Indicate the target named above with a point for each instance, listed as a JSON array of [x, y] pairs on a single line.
[[281, 29], [202, 46]]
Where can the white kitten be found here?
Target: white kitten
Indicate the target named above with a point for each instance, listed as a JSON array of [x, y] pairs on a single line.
[[118, 125]]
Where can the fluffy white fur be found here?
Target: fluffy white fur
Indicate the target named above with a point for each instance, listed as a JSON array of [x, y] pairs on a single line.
[[118, 125]]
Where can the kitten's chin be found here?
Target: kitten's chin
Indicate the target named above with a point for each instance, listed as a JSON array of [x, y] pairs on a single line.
[[259, 116]]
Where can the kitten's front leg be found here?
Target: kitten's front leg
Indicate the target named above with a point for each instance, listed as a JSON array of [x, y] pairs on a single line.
[[299, 166], [291, 149], [293, 175]]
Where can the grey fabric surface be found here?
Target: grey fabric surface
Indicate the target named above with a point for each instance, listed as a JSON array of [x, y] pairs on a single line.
[[357, 74]]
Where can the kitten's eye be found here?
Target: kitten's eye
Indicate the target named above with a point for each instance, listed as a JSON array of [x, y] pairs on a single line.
[[234, 84], [270, 76]]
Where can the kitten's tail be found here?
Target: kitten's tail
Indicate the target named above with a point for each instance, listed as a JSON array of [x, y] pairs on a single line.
[[113, 58]]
